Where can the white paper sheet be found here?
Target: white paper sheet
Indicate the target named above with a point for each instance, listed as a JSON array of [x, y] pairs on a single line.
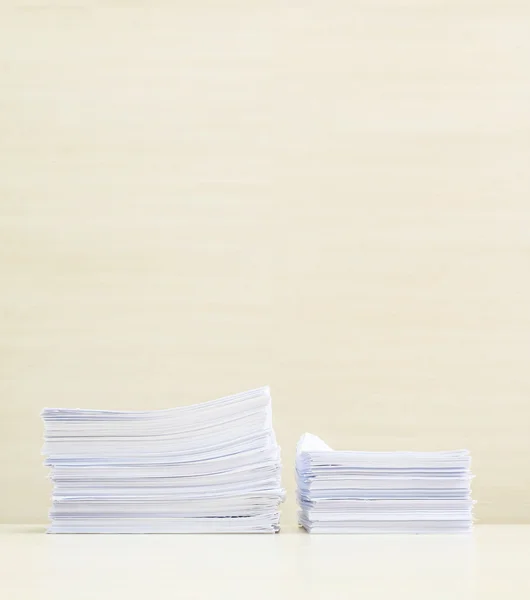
[[211, 467], [382, 492]]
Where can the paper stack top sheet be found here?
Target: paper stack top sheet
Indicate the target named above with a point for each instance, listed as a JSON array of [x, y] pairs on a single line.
[[211, 467], [382, 492]]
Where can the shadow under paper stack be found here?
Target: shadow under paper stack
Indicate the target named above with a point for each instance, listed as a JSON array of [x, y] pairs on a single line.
[[208, 468]]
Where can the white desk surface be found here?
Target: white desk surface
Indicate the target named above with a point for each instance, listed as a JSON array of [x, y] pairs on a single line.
[[493, 563]]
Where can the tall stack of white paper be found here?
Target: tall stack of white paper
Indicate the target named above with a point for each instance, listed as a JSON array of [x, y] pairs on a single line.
[[212, 467], [382, 492]]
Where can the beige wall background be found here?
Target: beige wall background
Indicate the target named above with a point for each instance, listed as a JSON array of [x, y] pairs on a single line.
[[329, 197]]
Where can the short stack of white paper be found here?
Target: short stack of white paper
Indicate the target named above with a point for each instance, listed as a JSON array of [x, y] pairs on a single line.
[[382, 492], [207, 468]]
